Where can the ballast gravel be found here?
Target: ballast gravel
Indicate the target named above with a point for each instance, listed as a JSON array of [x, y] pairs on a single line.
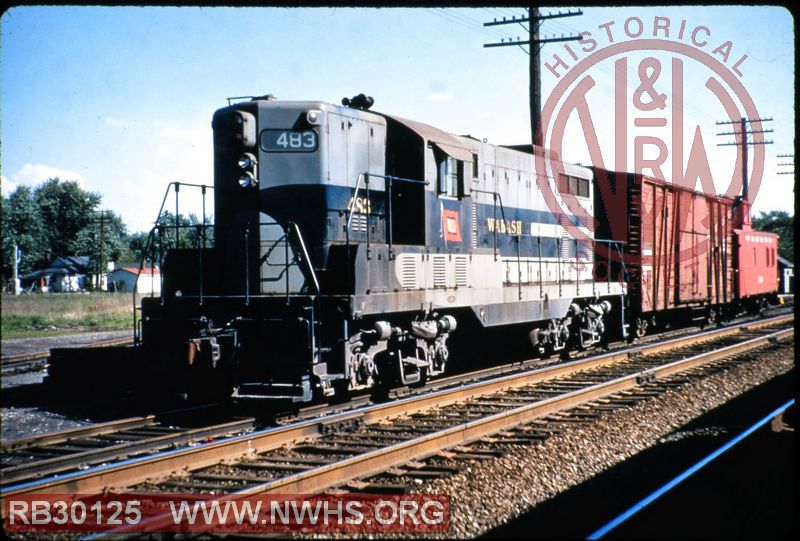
[[492, 492], [489, 493]]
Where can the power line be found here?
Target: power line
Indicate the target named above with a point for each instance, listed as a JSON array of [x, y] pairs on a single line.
[[743, 143], [786, 164]]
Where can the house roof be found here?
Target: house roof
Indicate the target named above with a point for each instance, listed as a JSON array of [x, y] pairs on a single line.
[[78, 264], [146, 271], [66, 265]]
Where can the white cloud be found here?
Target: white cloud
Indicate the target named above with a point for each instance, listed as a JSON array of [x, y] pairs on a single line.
[[165, 150], [441, 96], [194, 134], [7, 185], [32, 174]]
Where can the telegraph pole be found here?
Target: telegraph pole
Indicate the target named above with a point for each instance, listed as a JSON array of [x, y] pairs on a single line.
[[100, 263], [741, 140], [17, 261], [534, 42], [102, 249]]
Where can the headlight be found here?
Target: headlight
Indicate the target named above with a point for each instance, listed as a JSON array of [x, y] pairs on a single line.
[[247, 180], [246, 161], [313, 117]]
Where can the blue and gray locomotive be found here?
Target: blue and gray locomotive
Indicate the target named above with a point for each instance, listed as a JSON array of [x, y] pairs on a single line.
[[353, 249]]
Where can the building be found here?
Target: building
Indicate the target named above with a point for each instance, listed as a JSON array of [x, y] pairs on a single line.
[[64, 274], [125, 277]]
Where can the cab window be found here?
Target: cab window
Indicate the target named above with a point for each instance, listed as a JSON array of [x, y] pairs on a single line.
[[451, 173]]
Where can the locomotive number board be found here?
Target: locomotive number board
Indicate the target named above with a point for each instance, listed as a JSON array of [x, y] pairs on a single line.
[[289, 140]]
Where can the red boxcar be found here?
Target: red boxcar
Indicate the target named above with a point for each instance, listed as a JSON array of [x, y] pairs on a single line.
[[688, 256]]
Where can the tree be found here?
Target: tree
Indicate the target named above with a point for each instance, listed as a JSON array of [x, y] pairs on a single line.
[[22, 226], [782, 223], [66, 209], [105, 238], [137, 247]]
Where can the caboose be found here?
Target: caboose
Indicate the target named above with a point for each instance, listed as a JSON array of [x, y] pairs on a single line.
[[351, 249]]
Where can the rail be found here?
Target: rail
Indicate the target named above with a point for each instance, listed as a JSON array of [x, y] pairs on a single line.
[[164, 464]]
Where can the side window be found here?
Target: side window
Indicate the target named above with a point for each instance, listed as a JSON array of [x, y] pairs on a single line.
[[451, 173], [583, 187], [574, 185], [563, 183]]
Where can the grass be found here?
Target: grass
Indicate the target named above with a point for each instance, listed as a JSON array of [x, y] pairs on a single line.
[[51, 314]]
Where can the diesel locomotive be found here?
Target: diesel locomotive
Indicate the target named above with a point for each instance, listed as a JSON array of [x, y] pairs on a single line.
[[353, 251]]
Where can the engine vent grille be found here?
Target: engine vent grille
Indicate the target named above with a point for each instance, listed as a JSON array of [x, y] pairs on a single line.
[[565, 242], [462, 276], [408, 272], [359, 222], [474, 224], [439, 270]]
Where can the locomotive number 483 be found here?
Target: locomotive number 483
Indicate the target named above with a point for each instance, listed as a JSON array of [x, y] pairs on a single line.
[[289, 140]]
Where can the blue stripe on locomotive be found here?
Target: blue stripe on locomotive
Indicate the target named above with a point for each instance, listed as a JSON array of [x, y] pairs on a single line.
[[320, 211]]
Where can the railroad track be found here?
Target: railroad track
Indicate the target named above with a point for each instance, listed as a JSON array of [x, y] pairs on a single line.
[[393, 440], [321, 410], [28, 362], [61, 452]]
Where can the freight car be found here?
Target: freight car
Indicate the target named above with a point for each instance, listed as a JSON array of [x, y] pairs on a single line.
[[353, 248], [691, 257]]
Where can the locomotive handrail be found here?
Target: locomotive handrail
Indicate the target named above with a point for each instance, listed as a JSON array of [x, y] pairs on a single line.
[[149, 246], [401, 179], [353, 200], [496, 198], [305, 256], [387, 215]]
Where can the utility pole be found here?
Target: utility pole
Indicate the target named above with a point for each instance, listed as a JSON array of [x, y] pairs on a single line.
[[786, 164], [17, 261], [534, 42], [741, 140], [100, 264], [102, 249]]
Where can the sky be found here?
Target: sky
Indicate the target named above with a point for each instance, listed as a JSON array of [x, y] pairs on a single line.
[[121, 98]]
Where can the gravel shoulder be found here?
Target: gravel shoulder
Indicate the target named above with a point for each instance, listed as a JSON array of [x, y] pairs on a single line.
[[491, 493], [19, 346]]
